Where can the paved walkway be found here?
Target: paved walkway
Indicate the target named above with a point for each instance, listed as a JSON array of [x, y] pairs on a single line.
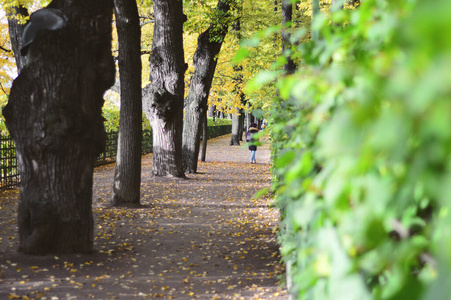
[[200, 238]]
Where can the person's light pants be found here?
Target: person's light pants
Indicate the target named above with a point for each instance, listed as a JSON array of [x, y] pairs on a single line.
[[252, 155]]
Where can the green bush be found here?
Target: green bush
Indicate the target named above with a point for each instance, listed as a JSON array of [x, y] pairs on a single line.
[[111, 114], [361, 149], [3, 129], [218, 122]]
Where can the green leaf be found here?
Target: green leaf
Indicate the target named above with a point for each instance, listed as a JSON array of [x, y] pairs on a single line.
[[240, 55], [260, 80], [261, 193]]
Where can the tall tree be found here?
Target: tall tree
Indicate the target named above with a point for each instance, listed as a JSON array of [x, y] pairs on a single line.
[[16, 15], [235, 139], [54, 116], [204, 138], [238, 81], [127, 178], [163, 97], [196, 103], [287, 17]]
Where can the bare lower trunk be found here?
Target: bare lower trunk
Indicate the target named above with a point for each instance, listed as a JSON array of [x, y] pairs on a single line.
[[163, 97], [167, 143], [242, 128], [212, 111], [54, 114], [127, 178], [191, 138], [204, 139], [235, 139]]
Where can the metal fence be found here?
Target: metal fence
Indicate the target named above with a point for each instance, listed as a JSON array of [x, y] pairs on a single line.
[[8, 164], [10, 172], [109, 154]]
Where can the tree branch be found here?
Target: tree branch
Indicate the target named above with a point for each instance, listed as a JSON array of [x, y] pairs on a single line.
[[148, 22], [4, 49], [1, 87], [227, 76]]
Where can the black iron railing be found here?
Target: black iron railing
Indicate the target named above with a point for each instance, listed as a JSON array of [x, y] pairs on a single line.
[[9, 171]]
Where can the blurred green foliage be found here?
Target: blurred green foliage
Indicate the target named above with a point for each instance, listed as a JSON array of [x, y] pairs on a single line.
[[361, 149]]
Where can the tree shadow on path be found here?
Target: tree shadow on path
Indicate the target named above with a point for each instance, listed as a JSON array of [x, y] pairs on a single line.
[[203, 238]]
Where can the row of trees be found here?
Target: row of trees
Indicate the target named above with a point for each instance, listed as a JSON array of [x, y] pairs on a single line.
[[54, 111], [359, 128]]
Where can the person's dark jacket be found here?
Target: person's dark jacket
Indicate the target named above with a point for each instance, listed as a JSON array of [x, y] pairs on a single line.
[[252, 146]]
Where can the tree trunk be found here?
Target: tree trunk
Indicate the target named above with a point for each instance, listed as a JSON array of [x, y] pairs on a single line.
[[238, 89], [163, 97], [248, 118], [235, 139], [204, 139], [287, 17], [196, 103], [15, 14], [212, 111], [54, 115], [242, 125], [167, 158], [127, 178]]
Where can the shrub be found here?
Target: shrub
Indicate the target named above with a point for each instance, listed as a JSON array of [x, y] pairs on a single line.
[[362, 155], [218, 122], [111, 114]]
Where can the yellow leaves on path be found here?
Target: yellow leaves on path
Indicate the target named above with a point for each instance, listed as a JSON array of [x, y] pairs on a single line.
[[198, 238]]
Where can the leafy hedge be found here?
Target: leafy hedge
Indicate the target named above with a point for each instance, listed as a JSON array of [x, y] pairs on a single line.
[[111, 115], [361, 145], [218, 122]]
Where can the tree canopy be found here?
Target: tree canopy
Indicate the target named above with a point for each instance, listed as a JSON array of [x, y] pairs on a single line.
[[255, 16], [361, 145]]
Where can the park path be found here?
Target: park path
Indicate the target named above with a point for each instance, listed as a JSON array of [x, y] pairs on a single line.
[[204, 237]]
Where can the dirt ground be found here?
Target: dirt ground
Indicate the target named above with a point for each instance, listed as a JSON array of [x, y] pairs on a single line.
[[204, 237]]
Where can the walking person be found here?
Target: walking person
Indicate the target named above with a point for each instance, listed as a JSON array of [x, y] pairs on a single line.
[[252, 146]]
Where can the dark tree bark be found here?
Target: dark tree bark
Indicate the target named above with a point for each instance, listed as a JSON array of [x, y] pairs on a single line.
[[242, 124], [205, 59], [54, 115], [127, 178], [287, 17], [163, 97], [204, 139], [237, 119], [248, 118], [15, 28]]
